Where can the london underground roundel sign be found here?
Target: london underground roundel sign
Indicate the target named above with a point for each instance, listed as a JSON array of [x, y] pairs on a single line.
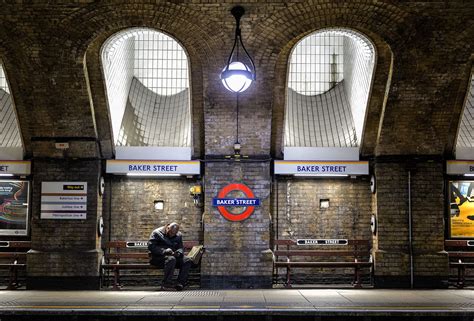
[[223, 202]]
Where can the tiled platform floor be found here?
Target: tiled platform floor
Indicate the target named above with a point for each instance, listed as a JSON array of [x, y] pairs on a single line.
[[314, 303]]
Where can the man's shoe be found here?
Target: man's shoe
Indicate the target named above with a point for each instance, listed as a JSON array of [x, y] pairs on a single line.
[[179, 287], [167, 287]]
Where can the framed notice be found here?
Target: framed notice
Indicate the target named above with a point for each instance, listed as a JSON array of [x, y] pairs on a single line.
[[14, 200], [461, 209], [64, 200]]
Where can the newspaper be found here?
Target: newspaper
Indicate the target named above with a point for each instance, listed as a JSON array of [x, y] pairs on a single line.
[[196, 253]]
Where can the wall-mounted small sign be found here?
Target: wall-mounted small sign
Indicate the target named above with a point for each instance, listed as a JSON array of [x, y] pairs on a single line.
[[153, 168], [139, 244], [460, 167], [324, 203], [247, 201], [322, 242], [64, 200], [15, 167], [310, 168]]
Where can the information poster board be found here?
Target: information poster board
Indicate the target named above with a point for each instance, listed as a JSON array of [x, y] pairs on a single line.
[[461, 209], [14, 200], [64, 200]]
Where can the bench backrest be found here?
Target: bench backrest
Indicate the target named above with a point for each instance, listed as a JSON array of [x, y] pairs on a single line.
[[4, 245], [460, 249], [134, 250], [322, 248], [464, 244], [14, 251]]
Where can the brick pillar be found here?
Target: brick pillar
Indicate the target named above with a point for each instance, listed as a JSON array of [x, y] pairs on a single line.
[[391, 244], [237, 252], [65, 253]]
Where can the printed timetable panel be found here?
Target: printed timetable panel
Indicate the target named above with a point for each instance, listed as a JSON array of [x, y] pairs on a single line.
[[64, 200]]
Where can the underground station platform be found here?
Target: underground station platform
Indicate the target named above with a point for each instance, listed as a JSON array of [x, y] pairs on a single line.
[[265, 304]]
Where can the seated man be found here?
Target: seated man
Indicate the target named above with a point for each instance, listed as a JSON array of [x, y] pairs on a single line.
[[166, 247]]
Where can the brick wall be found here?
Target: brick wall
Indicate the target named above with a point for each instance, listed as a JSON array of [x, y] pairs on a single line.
[[393, 199], [129, 212], [297, 214], [64, 249], [234, 250], [51, 52]]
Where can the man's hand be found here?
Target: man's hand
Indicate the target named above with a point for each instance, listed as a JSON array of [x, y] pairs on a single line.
[[168, 252]]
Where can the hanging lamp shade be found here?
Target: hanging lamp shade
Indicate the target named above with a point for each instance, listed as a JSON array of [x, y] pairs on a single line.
[[239, 72], [236, 77]]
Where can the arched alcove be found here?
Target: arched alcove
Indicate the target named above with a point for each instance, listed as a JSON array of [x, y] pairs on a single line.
[[329, 78], [148, 93], [465, 136], [11, 146]]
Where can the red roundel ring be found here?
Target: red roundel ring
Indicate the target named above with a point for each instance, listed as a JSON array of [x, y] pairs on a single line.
[[236, 187]]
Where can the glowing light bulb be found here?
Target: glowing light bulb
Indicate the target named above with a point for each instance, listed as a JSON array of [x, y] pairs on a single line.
[[237, 77]]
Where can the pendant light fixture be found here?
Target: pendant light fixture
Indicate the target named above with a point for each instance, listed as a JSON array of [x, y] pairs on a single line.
[[239, 73]]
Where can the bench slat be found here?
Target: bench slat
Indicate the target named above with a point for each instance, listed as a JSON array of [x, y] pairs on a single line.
[[349, 242], [460, 254], [15, 244], [319, 253], [458, 243], [457, 264], [123, 244], [129, 266], [11, 255], [323, 264], [22, 265], [117, 256]]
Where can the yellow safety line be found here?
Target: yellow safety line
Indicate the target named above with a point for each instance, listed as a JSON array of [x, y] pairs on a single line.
[[393, 308], [287, 307], [227, 307], [196, 307], [63, 307]]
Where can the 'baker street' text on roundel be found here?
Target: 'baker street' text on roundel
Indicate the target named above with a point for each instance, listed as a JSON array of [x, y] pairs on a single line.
[[222, 202]]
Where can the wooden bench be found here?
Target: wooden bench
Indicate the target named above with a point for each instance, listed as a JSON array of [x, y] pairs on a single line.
[[134, 255], [461, 257], [13, 258], [322, 253]]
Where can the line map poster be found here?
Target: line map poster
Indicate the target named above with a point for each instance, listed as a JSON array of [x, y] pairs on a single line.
[[14, 207]]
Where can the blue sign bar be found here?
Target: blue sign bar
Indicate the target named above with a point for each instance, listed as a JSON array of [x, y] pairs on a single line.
[[235, 202]]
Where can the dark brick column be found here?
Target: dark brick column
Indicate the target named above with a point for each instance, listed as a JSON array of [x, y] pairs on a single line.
[[236, 252], [65, 254], [391, 244]]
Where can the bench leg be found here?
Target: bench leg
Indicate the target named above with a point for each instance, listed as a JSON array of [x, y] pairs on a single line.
[[461, 277], [116, 279], [288, 278], [13, 283], [357, 283]]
